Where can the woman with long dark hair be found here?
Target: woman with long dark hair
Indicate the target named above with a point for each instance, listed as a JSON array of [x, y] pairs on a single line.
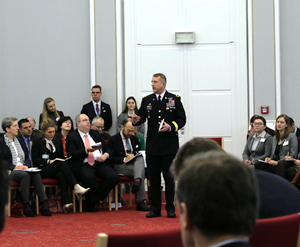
[[130, 109]]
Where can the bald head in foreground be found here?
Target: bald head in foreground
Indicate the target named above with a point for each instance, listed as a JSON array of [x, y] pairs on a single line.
[[218, 200]]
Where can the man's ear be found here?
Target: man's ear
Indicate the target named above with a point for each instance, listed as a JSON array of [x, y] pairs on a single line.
[[122, 127], [186, 222]]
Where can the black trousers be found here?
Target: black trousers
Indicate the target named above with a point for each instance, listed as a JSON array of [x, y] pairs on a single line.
[[88, 176], [286, 169], [156, 165], [61, 171]]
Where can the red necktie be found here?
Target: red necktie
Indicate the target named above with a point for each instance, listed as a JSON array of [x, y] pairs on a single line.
[[97, 109], [91, 160]]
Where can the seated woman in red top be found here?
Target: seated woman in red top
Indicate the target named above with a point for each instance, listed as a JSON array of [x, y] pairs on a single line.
[[64, 127], [48, 155]]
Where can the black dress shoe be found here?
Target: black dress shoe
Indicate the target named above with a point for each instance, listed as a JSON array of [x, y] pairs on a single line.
[[136, 187], [29, 213], [171, 215], [94, 208], [152, 215], [142, 207], [120, 199], [46, 212]]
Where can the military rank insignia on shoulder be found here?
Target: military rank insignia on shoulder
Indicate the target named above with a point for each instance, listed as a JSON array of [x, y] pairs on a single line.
[[177, 95]]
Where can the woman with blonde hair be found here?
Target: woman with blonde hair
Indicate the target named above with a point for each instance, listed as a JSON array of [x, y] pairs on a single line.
[[48, 155], [49, 111]]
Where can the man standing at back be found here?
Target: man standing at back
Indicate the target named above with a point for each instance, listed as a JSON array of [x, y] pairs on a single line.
[[166, 115], [98, 108]]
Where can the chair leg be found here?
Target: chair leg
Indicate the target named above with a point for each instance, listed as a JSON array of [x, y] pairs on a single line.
[[74, 201], [109, 200], [116, 197], [130, 195], [9, 202], [37, 204]]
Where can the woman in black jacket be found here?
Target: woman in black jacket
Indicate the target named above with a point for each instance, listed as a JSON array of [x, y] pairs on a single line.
[[47, 154]]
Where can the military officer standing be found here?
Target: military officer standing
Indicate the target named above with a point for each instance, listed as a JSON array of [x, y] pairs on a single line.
[[166, 115]]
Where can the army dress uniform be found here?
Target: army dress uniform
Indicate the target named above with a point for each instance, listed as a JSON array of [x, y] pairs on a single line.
[[161, 147]]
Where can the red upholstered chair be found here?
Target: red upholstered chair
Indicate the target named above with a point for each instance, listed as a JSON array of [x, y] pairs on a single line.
[[219, 140], [276, 232], [13, 185], [53, 183], [124, 180], [161, 238]]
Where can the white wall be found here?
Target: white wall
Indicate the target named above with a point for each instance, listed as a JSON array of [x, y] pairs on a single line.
[[44, 53], [290, 55]]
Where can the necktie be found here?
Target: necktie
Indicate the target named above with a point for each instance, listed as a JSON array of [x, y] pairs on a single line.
[[90, 154], [128, 147], [51, 147], [28, 147], [159, 98], [97, 109]]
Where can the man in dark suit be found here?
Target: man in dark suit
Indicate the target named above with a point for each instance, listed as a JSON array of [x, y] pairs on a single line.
[[36, 132], [98, 124], [124, 147], [218, 200], [166, 115], [278, 197], [26, 136], [90, 163], [98, 108], [294, 129]]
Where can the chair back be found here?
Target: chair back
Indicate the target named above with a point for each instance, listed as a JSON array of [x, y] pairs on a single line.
[[276, 232], [162, 238], [219, 140]]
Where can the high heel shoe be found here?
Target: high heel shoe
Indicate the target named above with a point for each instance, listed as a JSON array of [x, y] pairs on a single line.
[[68, 208], [80, 190]]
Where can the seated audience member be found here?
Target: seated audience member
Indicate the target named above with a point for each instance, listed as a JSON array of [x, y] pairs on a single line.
[[49, 111], [296, 179], [251, 131], [259, 143], [141, 138], [227, 214], [45, 150], [294, 129], [3, 193], [98, 124], [64, 127], [124, 147], [26, 136], [284, 144], [35, 132], [90, 163], [15, 156], [98, 108], [278, 197], [129, 111]]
